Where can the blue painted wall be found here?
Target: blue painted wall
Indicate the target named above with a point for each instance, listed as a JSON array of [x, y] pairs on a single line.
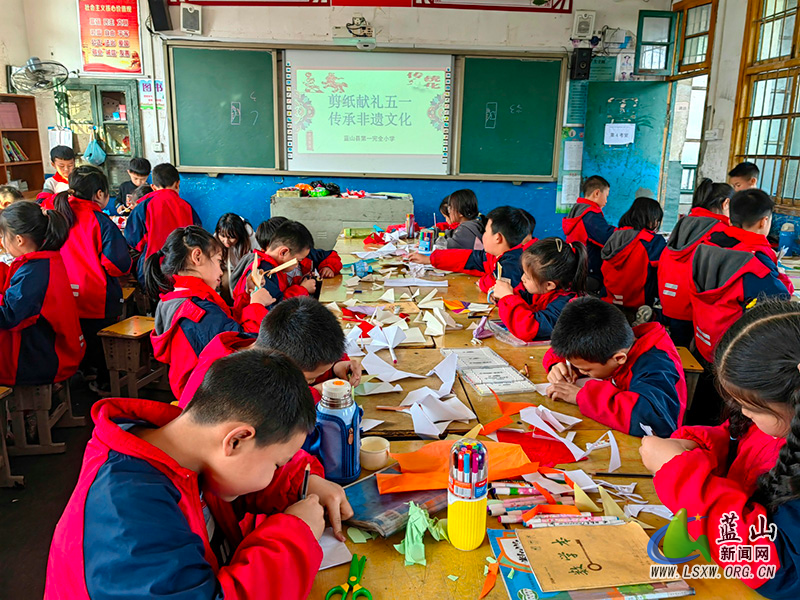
[[249, 196]]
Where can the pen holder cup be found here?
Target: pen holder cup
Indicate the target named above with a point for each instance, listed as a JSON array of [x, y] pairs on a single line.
[[466, 522]]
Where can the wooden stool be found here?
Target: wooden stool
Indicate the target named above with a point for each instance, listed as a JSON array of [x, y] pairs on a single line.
[[39, 399], [128, 302], [6, 478], [128, 350], [691, 371]]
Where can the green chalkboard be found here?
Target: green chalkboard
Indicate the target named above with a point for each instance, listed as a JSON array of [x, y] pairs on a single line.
[[224, 107], [509, 116]]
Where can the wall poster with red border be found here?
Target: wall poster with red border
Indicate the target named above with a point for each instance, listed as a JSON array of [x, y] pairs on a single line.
[[547, 6], [110, 40]]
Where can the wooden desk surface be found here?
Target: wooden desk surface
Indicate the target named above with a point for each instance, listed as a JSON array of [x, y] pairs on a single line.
[[127, 292], [130, 328], [4, 391], [690, 363]]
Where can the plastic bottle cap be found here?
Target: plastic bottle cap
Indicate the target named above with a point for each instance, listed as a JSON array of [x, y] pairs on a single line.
[[336, 389]]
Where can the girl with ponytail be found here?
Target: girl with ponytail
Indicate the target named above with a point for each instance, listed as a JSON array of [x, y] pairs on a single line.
[[40, 336], [185, 273], [744, 476], [554, 272], [95, 254]]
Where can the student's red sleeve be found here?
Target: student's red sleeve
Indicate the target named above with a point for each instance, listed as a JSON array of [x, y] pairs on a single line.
[[715, 440], [519, 317], [333, 261], [295, 290], [463, 261], [551, 359], [251, 317]]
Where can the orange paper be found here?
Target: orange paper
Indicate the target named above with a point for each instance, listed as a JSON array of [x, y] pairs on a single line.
[[428, 467], [551, 509], [547, 495], [496, 424], [491, 579]]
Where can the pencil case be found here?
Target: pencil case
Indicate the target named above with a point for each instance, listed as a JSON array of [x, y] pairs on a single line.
[[467, 494]]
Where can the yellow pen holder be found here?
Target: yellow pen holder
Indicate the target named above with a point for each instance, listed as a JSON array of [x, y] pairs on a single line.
[[466, 522]]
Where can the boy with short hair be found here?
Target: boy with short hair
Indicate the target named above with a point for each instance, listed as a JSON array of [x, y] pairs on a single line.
[[291, 240], [62, 159], [158, 214], [639, 375], [200, 503], [8, 195], [744, 176], [302, 329], [506, 228], [586, 223], [733, 268], [138, 171]]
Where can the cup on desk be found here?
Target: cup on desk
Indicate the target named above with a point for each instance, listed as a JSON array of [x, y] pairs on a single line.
[[374, 453]]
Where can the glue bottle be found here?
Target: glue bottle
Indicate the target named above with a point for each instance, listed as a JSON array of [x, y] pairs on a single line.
[[339, 427], [467, 494]]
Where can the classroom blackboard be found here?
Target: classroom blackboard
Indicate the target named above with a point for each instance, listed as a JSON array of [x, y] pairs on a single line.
[[224, 106], [509, 116]]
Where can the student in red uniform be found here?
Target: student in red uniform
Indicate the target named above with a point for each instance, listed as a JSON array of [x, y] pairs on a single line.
[[641, 385], [40, 335], [186, 272], [587, 224], [291, 240], [158, 214], [95, 254], [630, 258], [325, 262], [203, 503], [301, 328], [553, 273], [709, 214], [744, 176], [742, 476], [62, 159], [506, 227], [467, 223]]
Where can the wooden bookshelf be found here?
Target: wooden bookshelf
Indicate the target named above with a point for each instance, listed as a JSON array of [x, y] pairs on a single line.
[[27, 137]]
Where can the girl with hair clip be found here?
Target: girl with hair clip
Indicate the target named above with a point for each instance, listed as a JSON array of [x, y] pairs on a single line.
[[630, 259], [95, 254], [554, 272], [185, 273], [238, 239], [467, 223], [40, 335], [710, 214], [743, 475]]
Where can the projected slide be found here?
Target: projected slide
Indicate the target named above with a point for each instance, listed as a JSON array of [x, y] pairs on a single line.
[[367, 113]]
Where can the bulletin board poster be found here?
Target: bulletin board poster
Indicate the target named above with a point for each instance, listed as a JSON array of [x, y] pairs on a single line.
[[110, 42]]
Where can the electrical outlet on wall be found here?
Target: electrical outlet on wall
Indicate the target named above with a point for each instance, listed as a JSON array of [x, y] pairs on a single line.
[[158, 147]]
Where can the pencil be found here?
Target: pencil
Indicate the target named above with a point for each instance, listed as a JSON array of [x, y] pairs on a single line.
[[306, 474]]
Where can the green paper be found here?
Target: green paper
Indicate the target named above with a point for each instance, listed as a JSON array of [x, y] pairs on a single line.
[[491, 560], [511, 574], [453, 577], [413, 546], [357, 536], [485, 570]]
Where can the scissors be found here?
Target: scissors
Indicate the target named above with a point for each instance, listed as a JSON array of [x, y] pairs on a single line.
[[356, 571]]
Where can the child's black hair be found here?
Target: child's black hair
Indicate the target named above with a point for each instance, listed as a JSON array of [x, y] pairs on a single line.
[[592, 330], [233, 226], [510, 222], [139, 165], [165, 175], [444, 207], [292, 234], [748, 207], [531, 220], [141, 192], [592, 184], [644, 213], [770, 332], [10, 190], [62, 153], [305, 331], [463, 202], [48, 230], [84, 182], [262, 388], [553, 259], [711, 196], [267, 229], [745, 170], [162, 266]]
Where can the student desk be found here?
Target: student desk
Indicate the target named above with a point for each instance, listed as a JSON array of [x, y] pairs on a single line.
[[127, 349], [6, 478], [387, 577]]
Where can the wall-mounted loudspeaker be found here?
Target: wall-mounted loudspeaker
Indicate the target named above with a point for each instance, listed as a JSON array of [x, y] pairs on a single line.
[[191, 19], [159, 13], [581, 63]]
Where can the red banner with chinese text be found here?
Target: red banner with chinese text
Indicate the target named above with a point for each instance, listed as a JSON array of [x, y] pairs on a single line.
[[110, 37]]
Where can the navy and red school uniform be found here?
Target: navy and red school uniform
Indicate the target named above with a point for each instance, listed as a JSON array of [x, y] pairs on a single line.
[[279, 285], [479, 262], [675, 268], [157, 214], [724, 282], [187, 319], [701, 481], [95, 254], [533, 319], [319, 259], [586, 223], [630, 267], [648, 389], [138, 524], [46, 200], [40, 334]]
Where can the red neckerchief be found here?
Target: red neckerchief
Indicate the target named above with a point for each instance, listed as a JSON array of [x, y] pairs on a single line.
[[58, 177]]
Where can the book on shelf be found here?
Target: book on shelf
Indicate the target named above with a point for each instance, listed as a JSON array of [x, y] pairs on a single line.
[[12, 152], [9, 116]]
